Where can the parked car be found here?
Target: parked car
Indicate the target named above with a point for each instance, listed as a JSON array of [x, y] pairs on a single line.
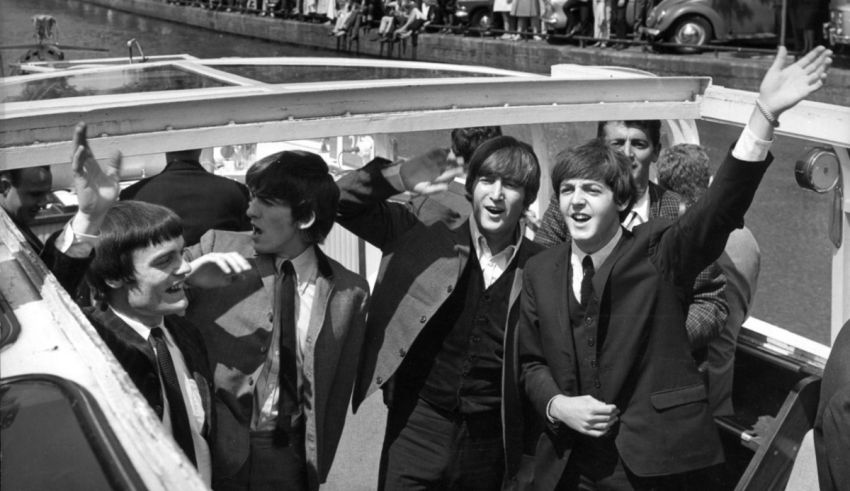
[[475, 14], [837, 29], [700, 22]]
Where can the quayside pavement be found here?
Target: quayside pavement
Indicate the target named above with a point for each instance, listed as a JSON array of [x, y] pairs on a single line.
[[528, 56]]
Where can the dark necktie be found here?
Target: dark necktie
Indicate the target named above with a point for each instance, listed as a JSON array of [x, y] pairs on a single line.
[[287, 404], [586, 280], [180, 428]]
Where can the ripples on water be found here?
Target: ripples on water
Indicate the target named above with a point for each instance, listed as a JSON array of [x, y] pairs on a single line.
[[789, 223]]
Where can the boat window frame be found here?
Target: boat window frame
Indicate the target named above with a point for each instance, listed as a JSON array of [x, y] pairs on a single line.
[[116, 465]]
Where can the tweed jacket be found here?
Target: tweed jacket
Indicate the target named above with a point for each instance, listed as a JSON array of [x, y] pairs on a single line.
[[236, 323], [643, 362], [420, 267]]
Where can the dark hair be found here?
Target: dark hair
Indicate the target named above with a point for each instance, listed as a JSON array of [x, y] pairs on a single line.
[[300, 180], [14, 175], [596, 160], [683, 169], [652, 128], [509, 159], [193, 154], [128, 226], [466, 140]]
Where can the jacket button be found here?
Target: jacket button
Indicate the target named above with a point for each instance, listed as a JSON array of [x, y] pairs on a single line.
[[379, 380], [597, 384], [589, 320], [590, 341], [423, 319], [402, 352], [264, 349], [593, 363]]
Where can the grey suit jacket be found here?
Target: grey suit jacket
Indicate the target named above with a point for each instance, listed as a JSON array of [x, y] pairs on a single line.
[[236, 323]]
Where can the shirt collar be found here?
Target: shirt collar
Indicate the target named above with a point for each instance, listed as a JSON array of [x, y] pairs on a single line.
[[641, 206], [141, 329], [479, 242], [306, 265], [599, 256]]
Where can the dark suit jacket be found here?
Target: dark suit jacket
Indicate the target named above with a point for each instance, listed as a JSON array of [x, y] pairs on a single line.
[[136, 356], [420, 267], [832, 424], [236, 324], [204, 201], [645, 365], [708, 311]]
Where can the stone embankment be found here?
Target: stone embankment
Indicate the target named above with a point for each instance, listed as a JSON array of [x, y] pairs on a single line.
[[529, 56]]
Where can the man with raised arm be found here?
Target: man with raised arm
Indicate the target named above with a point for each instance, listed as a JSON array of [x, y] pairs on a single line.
[[444, 305], [604, 351]]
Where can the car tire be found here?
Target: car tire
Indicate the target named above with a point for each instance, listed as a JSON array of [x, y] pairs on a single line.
[[694, 30], [482, 19]]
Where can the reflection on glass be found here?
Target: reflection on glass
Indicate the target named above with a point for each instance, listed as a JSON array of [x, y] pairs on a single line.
[[135, 79], [305, 74]]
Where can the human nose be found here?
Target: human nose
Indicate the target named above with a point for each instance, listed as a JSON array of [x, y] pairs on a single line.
[[496, 190], [577, 199], [251, 211], [184, 269]]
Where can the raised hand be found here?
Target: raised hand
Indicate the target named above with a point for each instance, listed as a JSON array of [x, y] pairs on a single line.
[[429, 173], [784, 85], [217, 269], [584, 414], [96, 190]]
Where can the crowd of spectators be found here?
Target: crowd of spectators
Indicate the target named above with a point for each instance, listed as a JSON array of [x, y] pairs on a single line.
[[604, 21]]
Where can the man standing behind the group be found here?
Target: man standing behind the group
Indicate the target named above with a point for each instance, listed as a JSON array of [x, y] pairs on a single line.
[[610, 367], [284, 337], [443, 305], [684, 169], [203, 200]]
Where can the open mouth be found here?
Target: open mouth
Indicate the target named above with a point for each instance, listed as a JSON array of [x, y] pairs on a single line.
[[257, 230], [580, 217], [494, 210], [175, 288]]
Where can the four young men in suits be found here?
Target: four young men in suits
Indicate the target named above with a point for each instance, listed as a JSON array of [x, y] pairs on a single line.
[[598, 344]]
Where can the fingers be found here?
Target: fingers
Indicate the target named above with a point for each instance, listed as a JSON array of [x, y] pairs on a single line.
[[80, 138], [113, 168], [230, 263], [779, 59], [814, 57]]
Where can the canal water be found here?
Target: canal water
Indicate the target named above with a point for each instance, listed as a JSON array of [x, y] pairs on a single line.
[[789, 223]]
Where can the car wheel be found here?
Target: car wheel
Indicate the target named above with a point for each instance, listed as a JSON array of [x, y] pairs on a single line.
[[482, 20], [693, 30]]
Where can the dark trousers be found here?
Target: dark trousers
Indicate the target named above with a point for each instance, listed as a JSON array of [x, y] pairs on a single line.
[[618, 21], [273, 464], [427, 448], [597, 466]]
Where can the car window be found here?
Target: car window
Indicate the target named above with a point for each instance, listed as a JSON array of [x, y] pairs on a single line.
[[53, 436]]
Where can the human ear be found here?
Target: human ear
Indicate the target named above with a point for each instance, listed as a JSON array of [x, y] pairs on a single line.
[[114, 284], [308, 222]]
